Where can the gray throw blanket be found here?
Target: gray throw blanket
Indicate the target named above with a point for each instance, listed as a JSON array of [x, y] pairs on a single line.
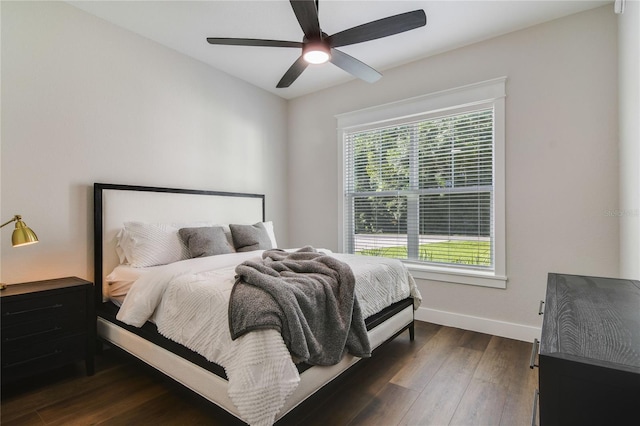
[[308, 297]]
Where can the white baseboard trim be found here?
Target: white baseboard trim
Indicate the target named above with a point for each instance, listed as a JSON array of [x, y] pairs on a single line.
[[482, 325]]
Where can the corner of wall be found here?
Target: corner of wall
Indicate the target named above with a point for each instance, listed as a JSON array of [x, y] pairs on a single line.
[[629, 142]]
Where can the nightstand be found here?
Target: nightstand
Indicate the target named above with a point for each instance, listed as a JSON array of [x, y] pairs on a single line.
[[46, 324]]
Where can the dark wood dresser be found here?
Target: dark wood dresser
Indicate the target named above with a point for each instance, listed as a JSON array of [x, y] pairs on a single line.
[[46, 324], [590, 352]]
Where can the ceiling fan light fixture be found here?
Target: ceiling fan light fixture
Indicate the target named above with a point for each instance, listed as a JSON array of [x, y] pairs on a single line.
[[316, 53]]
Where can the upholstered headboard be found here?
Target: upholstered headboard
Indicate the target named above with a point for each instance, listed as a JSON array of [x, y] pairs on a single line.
[[116, 204]]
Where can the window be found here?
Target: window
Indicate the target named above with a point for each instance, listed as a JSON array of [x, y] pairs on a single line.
[[427, 186]]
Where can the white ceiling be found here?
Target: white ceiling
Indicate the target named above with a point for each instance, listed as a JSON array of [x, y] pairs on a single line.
[[185, 25]]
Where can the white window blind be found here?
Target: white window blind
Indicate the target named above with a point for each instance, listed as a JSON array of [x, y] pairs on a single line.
[[423, 190]]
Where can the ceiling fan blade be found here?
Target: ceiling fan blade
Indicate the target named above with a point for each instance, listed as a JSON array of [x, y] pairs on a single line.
[[253, 42], [381, 28], [306, 12], [354, 66], [292, 73]]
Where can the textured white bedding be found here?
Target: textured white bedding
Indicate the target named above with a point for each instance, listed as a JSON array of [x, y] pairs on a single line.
[[188, 301]]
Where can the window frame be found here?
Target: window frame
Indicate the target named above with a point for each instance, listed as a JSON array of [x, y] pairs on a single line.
[[490, 93]]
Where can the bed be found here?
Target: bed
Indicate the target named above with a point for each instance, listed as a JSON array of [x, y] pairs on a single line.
[[149, 337]]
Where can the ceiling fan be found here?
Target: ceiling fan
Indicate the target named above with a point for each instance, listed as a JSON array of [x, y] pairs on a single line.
[[318, 47]]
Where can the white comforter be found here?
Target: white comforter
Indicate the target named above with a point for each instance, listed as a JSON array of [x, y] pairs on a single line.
[[188, 301]]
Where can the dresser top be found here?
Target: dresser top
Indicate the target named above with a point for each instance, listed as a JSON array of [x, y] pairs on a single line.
[[45, 285], [595, 319]]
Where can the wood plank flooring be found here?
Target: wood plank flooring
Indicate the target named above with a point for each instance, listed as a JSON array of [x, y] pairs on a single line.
[[447, 376]]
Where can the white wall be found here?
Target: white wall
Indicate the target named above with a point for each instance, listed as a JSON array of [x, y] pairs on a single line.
[[85, 101], [561, 161], [629, 104]]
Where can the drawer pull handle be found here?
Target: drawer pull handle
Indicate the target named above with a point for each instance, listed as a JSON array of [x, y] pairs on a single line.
[[26, 311], [25, 361], [534, 352], [534, 412], [37, 333], [540, 311]]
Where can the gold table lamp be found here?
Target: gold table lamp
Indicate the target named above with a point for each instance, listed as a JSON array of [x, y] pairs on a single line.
[[22, 235]]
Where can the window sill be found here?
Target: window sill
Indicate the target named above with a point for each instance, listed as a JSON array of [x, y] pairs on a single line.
[[457, 276]]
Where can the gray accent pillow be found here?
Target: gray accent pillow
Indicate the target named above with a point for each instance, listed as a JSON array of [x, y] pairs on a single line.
[[250, 237], [205, 241]]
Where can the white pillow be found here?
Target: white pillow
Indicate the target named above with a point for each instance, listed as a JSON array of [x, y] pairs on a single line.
[[149, 244], [272, 235]]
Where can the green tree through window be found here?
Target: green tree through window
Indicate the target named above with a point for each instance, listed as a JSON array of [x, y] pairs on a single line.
[[423, 190]]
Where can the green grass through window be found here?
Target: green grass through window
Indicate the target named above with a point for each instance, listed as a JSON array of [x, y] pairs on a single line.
[[455, 252]]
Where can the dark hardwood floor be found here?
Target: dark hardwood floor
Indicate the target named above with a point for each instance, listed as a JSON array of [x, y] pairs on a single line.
[[447, 376]]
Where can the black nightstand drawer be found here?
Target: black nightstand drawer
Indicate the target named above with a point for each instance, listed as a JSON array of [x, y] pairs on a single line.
[[39, 358], [28, 334], [43, 306]]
